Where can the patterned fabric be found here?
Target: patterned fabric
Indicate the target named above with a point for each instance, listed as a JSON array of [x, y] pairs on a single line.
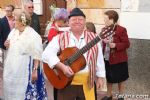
[[91, 56], [16, 66], [36, 90]]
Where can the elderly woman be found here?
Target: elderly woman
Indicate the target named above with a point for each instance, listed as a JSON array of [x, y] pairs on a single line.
[[115, 55], [60, 20], [22, 76]]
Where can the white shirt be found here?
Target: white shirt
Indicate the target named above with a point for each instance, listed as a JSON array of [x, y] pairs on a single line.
[[50, 54]]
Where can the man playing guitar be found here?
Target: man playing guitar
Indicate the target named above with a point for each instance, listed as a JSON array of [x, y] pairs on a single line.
[[92, 64]]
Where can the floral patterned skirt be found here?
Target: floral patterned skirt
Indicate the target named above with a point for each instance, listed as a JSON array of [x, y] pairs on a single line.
[[36, 90]]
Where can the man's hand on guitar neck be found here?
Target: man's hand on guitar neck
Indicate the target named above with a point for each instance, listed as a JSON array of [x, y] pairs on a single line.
[[111, 44], [66, 69]]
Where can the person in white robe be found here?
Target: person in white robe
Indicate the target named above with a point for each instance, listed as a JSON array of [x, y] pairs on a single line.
[[21, 67]]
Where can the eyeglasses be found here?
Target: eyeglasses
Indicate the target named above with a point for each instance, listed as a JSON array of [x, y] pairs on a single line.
[[8, 10], [30, 7]]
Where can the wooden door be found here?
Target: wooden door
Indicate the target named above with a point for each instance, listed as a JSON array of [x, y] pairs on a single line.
[[46, 12]]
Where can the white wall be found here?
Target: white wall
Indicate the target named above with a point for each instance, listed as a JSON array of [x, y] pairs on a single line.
[[137, 24], [135, 16]]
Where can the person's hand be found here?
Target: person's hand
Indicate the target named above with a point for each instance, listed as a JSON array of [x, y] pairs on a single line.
[[7, 43], [67, 71], [34, 75], [100, 83], [112, 45], [106, 40]]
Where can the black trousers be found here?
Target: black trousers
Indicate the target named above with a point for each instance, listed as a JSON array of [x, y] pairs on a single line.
[[55, 94], [95, 90]]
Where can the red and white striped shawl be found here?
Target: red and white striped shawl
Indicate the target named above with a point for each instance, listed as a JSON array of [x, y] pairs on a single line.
[[91, 55]]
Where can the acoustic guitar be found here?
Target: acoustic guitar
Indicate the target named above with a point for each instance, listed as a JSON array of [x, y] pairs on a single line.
[[74, 58]]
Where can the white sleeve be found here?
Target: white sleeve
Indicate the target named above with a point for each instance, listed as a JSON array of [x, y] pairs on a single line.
[[49, 55], [100, 70], [37, 47]]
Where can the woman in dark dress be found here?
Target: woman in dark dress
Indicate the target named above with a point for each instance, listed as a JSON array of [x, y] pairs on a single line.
[[115, 55]]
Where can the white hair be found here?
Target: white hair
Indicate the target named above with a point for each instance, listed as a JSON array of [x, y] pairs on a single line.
[[27, 2]]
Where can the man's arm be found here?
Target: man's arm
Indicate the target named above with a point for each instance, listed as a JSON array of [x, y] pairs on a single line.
[[49, 55], [100, 71]]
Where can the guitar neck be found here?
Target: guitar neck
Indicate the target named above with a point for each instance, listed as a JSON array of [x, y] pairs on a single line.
[[88, 46], [82, 50]]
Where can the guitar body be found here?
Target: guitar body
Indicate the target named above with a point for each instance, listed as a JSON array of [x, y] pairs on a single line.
[[56, 77]]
